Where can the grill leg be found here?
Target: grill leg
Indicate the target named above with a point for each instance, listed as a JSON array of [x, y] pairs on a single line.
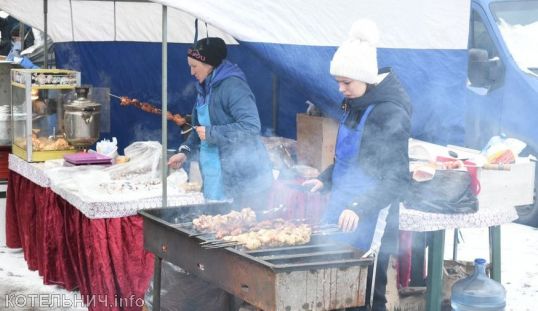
[[157, 283]]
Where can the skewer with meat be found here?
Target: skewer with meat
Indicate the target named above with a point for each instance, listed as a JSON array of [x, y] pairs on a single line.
[[126, 101], [288, 235], [224, 224]]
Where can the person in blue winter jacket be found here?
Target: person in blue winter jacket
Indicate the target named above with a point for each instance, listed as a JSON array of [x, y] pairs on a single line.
[[371, 169], [233, 160]]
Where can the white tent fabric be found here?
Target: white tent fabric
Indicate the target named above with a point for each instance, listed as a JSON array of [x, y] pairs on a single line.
[[326, 23], [433, 24], [80, 20]]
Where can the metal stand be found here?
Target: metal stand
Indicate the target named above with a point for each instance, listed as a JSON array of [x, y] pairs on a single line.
[[375, 248], [157, 283], [455, 246], [495, 252], [372, 288], [435, 269]]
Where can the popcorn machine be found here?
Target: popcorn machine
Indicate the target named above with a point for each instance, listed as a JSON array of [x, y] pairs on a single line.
[[38, 97]]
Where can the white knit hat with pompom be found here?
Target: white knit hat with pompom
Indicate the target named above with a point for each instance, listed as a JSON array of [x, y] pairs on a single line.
[[356, 58]]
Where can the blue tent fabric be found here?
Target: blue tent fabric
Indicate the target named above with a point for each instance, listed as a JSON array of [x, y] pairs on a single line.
[[133, 69]]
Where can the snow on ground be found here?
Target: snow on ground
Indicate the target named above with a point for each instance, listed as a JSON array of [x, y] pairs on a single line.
[[519, 260], [21, 289]]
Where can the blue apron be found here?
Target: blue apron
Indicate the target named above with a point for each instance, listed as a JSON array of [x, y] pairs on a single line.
[[209, 158], [349, 181]]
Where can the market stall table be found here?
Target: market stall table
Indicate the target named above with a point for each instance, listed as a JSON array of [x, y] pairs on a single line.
[[96, 247], [501, 191]]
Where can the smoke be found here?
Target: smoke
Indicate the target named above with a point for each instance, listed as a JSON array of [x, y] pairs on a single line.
[[143, 133], [104, 78], [71, 57]]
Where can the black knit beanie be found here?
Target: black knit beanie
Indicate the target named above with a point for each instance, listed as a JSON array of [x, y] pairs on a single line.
[[210, 50]]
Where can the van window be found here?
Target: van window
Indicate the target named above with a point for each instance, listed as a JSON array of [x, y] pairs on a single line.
[[486, 68], [479, 37], [518, 26]]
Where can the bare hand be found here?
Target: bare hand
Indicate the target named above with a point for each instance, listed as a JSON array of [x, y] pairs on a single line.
[[201, 132], [314, 184], [39, 106], [177, 160], [348, 221]]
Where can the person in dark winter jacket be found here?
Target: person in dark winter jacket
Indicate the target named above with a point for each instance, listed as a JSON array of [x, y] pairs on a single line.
[[233, 160], [371, 171], [15, 52], [7, 25]]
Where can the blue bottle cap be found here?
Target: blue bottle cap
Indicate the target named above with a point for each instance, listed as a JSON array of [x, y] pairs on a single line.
[[479, 261]]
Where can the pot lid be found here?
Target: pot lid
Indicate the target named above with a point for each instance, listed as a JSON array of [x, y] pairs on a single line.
[[82, 102]]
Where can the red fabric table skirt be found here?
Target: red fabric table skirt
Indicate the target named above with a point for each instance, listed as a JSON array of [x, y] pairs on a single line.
[[104, 258]]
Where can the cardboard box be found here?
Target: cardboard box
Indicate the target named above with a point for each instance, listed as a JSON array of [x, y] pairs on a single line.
[[316, 140], [501, 188]]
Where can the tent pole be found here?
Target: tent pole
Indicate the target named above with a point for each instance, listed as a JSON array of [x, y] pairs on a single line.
[[45, 46], [164, 65], [22, 34]]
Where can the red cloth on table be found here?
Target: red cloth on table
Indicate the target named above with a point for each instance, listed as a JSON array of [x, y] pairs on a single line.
[[103, 258], [404, 258]]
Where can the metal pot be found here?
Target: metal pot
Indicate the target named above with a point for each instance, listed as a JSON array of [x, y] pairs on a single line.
[[81, 120]]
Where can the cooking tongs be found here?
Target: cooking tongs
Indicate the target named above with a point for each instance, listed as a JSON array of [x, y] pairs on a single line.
[[189, 128]]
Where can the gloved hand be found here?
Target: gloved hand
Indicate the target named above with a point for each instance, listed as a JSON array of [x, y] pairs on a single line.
[[25, 62]]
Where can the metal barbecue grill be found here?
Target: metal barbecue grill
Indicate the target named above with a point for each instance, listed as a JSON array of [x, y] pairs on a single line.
[[320, 275]]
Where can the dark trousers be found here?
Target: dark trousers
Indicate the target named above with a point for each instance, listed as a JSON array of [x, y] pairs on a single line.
[[389, 246]]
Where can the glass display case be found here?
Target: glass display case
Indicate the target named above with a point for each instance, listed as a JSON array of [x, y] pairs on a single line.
[[38, 97]]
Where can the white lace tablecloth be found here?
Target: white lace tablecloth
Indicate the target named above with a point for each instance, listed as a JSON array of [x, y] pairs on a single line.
[[36, 173], [413, 220], [32, 171]]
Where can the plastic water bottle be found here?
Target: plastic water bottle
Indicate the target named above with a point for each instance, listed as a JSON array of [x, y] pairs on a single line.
[[494, 141], [478, 292]]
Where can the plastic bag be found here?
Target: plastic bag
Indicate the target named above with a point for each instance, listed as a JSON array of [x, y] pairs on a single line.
[[181, 291], [145, 158], [176, 180], [448, 192], [107, 147], [502, 150]]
